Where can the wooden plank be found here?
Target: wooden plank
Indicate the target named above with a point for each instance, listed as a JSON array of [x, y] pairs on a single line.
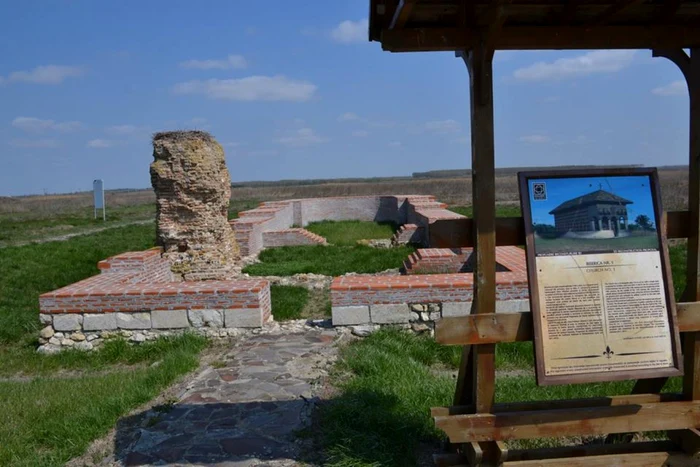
[[403, 11], [654, 459], [458, 233], [590, 421], [562, 404], [565, 452], [607, 14], [543, 37], [517, 327]]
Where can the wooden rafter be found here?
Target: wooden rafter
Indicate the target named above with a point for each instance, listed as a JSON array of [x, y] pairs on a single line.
[[543, 37], [403, 11], [607, 14]]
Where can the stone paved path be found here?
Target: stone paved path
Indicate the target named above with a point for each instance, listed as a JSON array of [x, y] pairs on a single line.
[[243, 413]]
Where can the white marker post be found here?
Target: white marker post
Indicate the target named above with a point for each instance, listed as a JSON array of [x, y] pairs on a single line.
[[98, 193]]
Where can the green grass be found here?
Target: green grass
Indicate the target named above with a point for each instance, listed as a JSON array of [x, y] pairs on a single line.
[[23, 227], [52, 407], [327, 260], [381, 415], [28, 271], [47, 421], [347, 233], [389, 381], [678, 255], [501, 211], [288, 301]]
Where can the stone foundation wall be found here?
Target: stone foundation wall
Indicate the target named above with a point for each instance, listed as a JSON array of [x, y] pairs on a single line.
[[133, 292], [354, 297], [291, 237], [426, 312]]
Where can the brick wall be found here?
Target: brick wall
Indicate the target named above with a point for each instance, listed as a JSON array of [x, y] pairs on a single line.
[[134, 289], [279, 215]]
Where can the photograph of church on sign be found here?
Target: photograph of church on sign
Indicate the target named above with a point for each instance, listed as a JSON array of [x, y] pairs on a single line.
[[599, 211], [593, 215]]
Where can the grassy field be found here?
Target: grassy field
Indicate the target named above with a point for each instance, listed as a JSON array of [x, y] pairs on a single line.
[[327, 260], [347, 233], [52, 407], [343, 255]]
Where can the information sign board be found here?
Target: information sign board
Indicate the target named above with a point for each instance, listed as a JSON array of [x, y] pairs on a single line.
[[600, 285]]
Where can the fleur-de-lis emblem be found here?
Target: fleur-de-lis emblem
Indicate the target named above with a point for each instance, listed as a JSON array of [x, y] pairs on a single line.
[[608, 353]]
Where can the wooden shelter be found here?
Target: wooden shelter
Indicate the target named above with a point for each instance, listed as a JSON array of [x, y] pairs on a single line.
[[475, 425]]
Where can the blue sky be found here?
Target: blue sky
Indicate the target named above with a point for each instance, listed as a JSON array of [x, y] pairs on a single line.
[[294, 90], [635, 189]]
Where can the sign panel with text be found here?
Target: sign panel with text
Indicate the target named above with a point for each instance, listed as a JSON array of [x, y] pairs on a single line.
[[600, 285]]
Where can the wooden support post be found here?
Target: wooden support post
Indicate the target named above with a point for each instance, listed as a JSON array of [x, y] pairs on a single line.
[[690, 67], [477, 375], [691, 341]]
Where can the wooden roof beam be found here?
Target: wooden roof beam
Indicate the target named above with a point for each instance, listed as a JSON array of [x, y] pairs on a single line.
[[543, 37], [611, 11], [569, 12], [403, 11], [495, 18], [669, 10]]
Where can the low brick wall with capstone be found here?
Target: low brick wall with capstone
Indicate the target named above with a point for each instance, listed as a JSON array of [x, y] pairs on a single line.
[[135, 291]]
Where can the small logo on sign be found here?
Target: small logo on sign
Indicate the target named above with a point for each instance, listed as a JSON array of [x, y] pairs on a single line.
[[539, 191]]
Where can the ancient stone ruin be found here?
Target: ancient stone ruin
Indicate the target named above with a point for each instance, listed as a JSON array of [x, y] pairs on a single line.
[[193, 187]]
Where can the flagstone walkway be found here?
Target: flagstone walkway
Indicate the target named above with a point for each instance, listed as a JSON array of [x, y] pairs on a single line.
[[241, 411]]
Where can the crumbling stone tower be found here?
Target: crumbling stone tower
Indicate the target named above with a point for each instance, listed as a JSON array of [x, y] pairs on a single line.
[[193, 188]]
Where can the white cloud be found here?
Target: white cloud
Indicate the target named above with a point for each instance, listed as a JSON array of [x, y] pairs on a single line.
[[252, 88], [535, 139], [46, 74], [348, 117], [442, 127], [349, 32], [35, 143], [301, 138], [360, 133], [676, 88], [122, 129], [99, 143], [38, 125], [599, 61], [236, 62], [394, 144]]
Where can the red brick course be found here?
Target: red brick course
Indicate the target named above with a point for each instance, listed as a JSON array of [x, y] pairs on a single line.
[[358, 290], [134, 282]]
